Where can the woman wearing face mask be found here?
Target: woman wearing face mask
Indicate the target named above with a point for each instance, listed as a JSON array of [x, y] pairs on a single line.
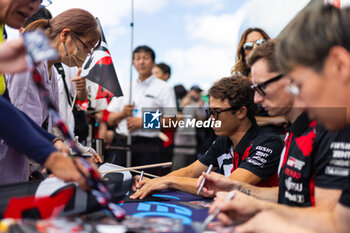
[[74, 33]]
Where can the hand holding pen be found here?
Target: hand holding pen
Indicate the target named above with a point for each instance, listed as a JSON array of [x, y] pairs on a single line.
[[140, 179], [203, 181], [211, 217]]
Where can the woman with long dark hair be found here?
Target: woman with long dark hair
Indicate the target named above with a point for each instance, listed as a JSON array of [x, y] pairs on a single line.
[[250, 38]]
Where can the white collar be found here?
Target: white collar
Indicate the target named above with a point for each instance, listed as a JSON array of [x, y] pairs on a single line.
[[147, 80]]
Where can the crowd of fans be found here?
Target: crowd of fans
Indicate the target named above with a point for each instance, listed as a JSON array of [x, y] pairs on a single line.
[[282, 145]]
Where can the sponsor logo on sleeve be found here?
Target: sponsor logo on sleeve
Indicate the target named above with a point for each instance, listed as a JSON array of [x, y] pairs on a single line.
[[295, 163], [339, 165], [290, 185], [291, 173], [337, 171], [294, 197], [259, 158]]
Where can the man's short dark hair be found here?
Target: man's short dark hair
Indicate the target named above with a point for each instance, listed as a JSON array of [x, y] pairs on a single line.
[[42, 13], [308, 38], [144, 48], [165, 68], [265, 51], [236, 89]]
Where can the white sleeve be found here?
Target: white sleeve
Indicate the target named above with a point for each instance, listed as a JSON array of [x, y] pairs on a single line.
[[116, 104]]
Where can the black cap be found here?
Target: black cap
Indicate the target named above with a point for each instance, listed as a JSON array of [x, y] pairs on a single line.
[[196, 88]]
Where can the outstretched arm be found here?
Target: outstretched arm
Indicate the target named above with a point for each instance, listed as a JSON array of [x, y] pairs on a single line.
[[219, 183], [183, 179], [269, 222], [243, 207], [18, 132]]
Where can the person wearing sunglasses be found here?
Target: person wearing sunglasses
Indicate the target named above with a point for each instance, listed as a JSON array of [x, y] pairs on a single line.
[[241, 151], [250, 39], [250, 45], [321, 78], [307, 176]]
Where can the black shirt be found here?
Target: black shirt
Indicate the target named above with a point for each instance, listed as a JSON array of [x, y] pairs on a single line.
[[256, 152], [312, 157]]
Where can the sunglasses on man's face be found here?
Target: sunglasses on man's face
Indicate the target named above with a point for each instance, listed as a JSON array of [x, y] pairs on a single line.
[[215, 112], [261, 87], [250, 44]]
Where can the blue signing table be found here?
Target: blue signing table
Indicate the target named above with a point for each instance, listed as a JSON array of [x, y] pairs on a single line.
[[171, 204]]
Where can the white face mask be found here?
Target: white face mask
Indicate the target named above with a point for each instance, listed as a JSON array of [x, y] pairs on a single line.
[[77, 58]]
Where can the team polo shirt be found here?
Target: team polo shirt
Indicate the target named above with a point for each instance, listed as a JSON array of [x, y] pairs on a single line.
[[152, 93], [312, 156], [256, 152]]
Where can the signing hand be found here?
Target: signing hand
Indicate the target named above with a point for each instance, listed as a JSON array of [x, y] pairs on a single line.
[[214, 182], [151, 185], [137, 184], [241, 207], [134, 123]]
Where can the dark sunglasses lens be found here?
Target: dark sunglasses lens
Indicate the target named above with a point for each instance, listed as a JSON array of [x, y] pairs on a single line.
[[258, 89], [248, 45], [207, 111], [212, 112], [261, 41]]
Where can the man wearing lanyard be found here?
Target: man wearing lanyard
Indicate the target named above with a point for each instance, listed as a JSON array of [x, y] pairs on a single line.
[[147, 92], [241, 151]]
